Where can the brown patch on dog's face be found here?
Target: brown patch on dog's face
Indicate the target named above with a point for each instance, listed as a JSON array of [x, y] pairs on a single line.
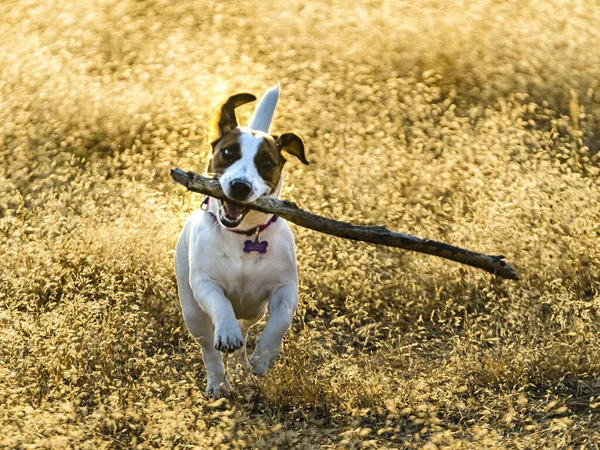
[[225, 151], [269, 163]]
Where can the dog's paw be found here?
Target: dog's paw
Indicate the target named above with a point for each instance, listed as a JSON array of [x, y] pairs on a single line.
[[262, 360], [229, 338], [218, 389]]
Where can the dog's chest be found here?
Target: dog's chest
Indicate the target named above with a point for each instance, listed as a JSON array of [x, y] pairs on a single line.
[[247, 279]]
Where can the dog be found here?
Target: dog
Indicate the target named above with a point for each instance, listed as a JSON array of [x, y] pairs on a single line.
[[232, 262]]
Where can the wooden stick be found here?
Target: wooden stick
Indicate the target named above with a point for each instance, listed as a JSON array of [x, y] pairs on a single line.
[[371, 234]]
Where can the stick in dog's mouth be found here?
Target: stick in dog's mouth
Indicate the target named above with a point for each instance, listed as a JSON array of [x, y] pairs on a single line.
[[231, 214]]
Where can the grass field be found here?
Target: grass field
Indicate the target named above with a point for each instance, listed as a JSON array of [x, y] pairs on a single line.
[[472, 122]]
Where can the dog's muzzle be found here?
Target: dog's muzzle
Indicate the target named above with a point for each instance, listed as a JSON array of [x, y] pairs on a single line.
[[239, 190], [231, 214]]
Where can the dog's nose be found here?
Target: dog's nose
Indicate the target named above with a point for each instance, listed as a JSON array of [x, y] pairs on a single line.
[[239, 190]]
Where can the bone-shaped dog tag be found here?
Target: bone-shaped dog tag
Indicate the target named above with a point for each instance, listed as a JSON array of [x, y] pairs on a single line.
[[256, 246]]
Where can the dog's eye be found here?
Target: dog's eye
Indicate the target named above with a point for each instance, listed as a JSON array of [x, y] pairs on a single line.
[[228, 152]]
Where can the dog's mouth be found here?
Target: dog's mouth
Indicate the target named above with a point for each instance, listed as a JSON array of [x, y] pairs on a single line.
[[231, 214]]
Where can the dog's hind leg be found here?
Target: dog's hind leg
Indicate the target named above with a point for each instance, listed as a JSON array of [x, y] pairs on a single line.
[[201, 327], [282, 306]]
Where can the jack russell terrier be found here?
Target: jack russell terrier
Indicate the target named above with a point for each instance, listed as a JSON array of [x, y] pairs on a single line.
[[230, 261]]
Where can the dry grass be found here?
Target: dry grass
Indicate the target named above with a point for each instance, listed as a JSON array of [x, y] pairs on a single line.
[[472, 122]]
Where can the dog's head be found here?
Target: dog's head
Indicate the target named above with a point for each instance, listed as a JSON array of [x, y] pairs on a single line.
[[248, 163]]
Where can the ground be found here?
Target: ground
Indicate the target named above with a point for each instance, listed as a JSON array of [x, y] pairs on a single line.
[[476, 123]]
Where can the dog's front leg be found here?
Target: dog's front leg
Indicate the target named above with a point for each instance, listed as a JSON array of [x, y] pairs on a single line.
[[282, 306], [228, 335]]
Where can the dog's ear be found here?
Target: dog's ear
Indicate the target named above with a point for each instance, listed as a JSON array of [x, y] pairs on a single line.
[[226, 120], [292, 144]]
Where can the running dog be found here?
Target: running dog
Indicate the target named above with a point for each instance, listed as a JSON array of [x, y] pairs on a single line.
[[232, 262]]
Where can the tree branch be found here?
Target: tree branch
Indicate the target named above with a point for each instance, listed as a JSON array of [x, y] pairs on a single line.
[[371, 234]]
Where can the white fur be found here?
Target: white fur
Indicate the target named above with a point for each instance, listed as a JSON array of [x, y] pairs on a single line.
[[263, 114], [224, 291]]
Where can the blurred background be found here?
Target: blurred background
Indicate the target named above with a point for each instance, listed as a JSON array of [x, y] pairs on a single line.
[[472, 122]]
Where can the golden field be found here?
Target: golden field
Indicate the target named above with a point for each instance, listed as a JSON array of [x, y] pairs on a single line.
[[475, 122]]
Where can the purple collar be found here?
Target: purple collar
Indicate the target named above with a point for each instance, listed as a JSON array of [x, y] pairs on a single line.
[[251, 232]]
